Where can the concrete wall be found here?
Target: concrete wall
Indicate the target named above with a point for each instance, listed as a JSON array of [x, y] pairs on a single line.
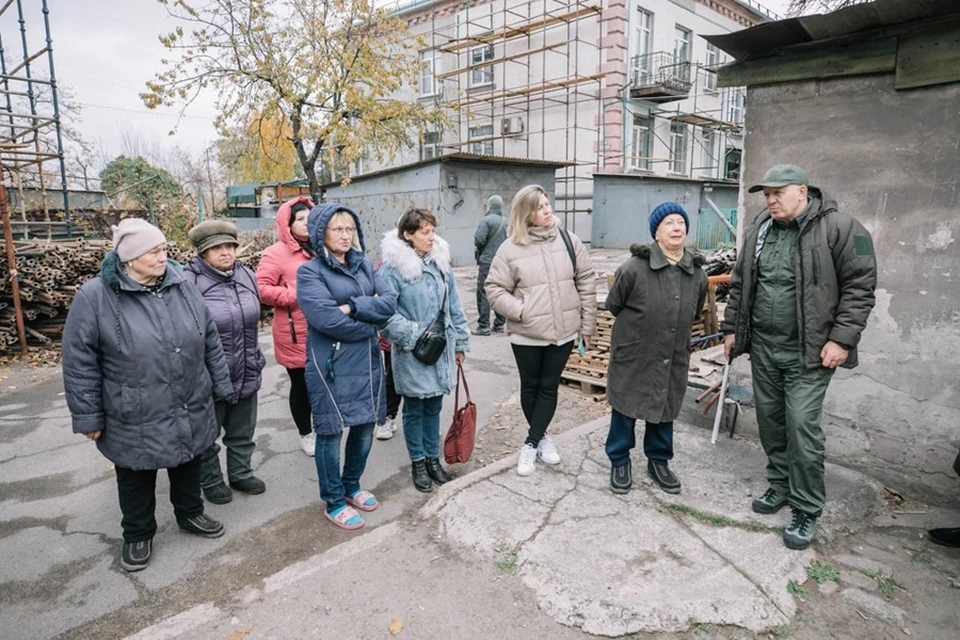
[[895, 167], [456, 193], [622, 206]]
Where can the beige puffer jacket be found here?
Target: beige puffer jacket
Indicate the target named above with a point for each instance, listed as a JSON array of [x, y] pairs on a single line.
[[533, 286]]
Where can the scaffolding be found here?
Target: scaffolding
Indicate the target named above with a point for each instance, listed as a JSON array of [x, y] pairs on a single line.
[[30, 136], [522, 78], [31, 143]]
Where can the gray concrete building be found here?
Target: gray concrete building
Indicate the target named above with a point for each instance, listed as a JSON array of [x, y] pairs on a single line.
[[866, 100]]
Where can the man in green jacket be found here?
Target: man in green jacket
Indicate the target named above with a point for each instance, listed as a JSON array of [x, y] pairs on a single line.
[[490, 234], [801, 292]]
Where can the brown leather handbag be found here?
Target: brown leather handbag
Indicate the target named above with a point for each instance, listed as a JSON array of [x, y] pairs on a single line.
[[462, 435]]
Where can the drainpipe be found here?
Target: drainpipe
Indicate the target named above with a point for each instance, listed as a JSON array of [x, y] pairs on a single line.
[[716, 210]]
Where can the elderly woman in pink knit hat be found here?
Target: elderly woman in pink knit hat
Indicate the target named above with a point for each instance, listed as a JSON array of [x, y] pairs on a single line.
[[142, 365]]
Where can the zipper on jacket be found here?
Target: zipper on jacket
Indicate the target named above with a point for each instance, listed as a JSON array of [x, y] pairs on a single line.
[[293, 328], [816, 266]]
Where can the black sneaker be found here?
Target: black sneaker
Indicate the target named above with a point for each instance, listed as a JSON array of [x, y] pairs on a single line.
[[481, 332], [218, 494], [947, 537], [770, 502], [252, 485], [799, 533], [201, 525], [662, 475], [136, 555], [621, 478], [497, 329]]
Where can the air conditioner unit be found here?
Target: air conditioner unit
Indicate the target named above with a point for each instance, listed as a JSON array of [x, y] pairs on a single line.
[[509, 126]]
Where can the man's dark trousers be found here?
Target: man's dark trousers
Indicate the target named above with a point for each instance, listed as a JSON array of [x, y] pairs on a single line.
[[483, 307]]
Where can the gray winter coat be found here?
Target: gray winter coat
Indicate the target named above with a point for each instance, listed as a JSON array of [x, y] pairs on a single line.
[[234, 303], [490, 234], [655, 305], [143, 369]]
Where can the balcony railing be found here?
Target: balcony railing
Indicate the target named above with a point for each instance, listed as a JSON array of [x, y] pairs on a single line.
[[660, 77]]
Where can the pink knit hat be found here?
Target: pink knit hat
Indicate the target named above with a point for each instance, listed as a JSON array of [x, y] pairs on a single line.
[[134, 237]]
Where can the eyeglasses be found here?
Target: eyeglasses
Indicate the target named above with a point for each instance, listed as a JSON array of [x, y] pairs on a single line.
[[342, 231]]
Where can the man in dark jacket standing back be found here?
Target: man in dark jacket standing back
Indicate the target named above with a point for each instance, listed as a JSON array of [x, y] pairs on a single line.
[[490, 234], [801, 292]]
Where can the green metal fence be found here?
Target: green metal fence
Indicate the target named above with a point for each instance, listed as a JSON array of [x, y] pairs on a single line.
[[712, 234]]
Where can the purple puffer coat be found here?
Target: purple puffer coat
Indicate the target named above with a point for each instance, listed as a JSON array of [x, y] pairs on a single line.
[[234, 304]]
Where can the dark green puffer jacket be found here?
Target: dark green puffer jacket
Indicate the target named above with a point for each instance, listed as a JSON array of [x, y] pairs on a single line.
[[835, 281]]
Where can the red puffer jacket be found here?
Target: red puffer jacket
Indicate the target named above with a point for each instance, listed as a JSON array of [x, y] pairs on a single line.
[[277, 282]]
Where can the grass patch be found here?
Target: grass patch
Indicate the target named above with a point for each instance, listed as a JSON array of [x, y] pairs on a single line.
[[822, 572], [713, 519], [922, 557], [885, 583], [793, 588], [780, 632], [508, 564], [704, 629]]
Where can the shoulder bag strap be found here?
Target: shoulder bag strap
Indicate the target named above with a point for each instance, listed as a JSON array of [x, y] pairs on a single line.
[[460, 378], [569, 244]]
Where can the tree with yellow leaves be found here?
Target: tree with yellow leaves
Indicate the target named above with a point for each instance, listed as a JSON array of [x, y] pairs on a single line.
[[331, 68], [260, 150]]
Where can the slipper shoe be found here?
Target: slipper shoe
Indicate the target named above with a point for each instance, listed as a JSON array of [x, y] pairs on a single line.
[[363, 500], [345, 518]]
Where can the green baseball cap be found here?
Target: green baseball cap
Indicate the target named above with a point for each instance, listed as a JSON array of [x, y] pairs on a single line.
[[781, 175]]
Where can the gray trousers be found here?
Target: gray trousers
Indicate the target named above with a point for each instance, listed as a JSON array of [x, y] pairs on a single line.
[[483, 306], [236, 422]]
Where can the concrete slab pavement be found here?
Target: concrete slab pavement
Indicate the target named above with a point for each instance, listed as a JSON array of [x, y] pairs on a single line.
[[568, 555]]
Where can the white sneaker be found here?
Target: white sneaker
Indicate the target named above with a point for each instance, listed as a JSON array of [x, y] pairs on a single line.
[[385, 431], [527, 461], [309, 443], [547, 451]]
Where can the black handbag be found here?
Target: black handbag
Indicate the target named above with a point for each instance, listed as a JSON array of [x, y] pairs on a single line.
[[433, 341]]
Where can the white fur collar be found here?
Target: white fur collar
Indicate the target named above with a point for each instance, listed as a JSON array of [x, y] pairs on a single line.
[[401, 256]]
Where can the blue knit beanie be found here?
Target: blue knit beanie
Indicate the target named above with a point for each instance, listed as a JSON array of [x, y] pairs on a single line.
[[661, 212]]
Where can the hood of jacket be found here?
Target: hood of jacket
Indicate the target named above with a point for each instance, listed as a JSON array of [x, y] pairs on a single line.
[[110, 274], [317, 225], [398, 254], [690, 260], [282, 222], [545, 234]]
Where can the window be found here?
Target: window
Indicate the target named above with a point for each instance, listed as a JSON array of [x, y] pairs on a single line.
[[713, 57], [681, 44], [735, 105], [481, 75], [430, 67], [678, 147], [642, 46], [484, 140], [641, 142], [709, 165], [430, 146], [732, 161]]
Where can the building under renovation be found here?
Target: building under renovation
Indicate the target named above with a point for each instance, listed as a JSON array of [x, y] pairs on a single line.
[[624, 87]]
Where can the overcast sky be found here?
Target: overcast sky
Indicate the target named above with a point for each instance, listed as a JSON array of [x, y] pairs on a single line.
[[105, 50]]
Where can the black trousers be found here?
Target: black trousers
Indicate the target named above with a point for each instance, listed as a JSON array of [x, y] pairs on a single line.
[[300, 401], [540, 369], [393, 398], [138, 498], [483, 305]]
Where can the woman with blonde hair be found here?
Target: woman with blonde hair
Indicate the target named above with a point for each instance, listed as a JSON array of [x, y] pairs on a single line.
[[543, 282]]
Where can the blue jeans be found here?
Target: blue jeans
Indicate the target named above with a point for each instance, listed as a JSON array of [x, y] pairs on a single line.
[[657, 439], [421, 426], [334, 486]]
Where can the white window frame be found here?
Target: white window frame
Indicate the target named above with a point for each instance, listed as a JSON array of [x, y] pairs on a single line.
[[484, 147], [682, 43], [641, 142], [710, 159], [430, 149], [481, 76], [430, 67], [642, 42], [712, 59], [735, 105], [678, 147]]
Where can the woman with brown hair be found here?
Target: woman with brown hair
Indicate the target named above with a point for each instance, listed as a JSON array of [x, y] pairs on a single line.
[[543, 282], [417, 266]]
